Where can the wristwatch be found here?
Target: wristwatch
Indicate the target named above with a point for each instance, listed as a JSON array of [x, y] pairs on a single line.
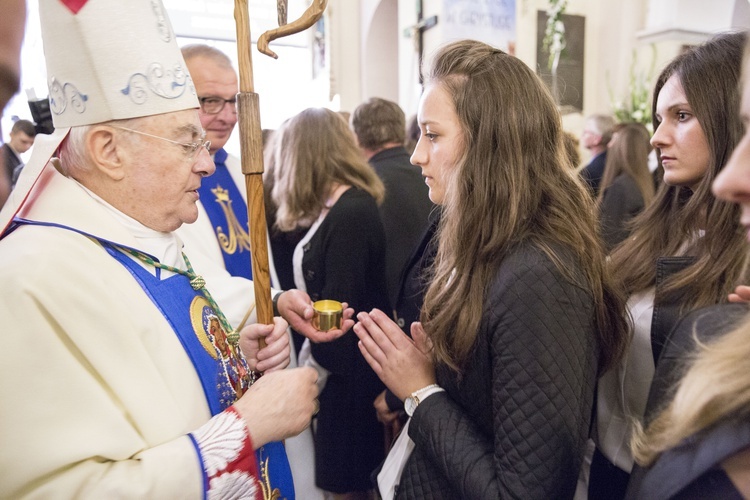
[[275, 303], [411, 403]]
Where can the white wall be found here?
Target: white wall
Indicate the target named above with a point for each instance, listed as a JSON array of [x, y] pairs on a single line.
[[655, 30], [345, 36], [380, 37]]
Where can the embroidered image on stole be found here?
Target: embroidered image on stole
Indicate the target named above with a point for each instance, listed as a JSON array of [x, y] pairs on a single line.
[[236, 236], [226, 210], [232, 380], [231, 384]]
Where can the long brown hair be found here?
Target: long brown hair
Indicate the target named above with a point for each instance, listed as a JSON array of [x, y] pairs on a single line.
[[315, 149], [513, 184], [715, 384], [709, 75], [628, 154]]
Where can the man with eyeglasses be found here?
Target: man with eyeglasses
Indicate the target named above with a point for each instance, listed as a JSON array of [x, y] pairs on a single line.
[[132, 392], [221, 231]]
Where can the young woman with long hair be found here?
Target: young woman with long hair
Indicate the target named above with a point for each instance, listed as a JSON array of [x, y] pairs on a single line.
[[322, 182], [519, 316], [686, 249], [707, 421]]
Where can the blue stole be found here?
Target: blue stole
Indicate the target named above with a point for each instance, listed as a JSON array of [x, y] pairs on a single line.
[[227, 212], [220, 367]]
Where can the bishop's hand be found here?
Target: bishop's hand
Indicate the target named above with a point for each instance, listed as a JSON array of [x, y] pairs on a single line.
[[275, 354]]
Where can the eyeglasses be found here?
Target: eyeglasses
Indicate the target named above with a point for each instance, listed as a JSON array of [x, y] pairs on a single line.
[[190, 148], [213, 105]]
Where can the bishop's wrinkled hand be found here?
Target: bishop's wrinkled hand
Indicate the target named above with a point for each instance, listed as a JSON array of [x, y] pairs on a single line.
[[279, 404], [275, 355]]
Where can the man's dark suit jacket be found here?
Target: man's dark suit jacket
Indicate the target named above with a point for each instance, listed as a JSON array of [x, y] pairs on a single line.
[[404, 210], [593, 172], [10, 161]]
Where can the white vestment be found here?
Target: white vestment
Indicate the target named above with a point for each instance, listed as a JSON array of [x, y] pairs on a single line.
[[89, 411]]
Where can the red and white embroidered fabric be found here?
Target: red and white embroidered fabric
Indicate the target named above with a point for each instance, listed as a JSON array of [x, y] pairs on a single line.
[[228, 457]]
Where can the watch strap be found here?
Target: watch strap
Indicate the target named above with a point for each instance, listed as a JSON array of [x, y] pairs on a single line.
[[425, 392], [275, 302], [416, 397]]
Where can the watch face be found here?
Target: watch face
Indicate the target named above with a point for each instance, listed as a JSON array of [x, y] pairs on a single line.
[[410, 404]]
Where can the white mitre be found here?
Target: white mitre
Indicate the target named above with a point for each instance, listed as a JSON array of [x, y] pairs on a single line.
[[106, 60]]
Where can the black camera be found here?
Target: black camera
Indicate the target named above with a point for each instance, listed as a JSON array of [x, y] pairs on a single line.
[[42, 116]]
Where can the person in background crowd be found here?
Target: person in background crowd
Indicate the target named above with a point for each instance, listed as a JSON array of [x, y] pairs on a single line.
[[22, 136], [597, 133], [221, 232], [323, 183], [699, 425], [379, 127], [627, 186], [519, 317]]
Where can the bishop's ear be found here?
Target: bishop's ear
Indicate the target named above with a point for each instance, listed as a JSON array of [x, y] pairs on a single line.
[[107, 150]]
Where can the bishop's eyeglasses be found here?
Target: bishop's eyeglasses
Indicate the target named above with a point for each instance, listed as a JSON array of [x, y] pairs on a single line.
[[213, 105], [190, 148]]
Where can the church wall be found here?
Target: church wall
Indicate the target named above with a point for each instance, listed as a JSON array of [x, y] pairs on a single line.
[[610, 38], [652, 31], [345, 52]]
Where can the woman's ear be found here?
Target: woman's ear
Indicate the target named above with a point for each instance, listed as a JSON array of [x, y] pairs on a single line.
[[107, 152]]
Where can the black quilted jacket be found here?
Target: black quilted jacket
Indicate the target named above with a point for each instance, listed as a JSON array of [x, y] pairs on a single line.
[[515, 424]]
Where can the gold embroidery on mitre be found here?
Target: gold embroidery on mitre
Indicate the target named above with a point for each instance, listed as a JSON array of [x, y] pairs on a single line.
[[237, 237]]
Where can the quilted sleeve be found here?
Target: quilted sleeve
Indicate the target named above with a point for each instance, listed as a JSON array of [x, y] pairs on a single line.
[[537, 330]]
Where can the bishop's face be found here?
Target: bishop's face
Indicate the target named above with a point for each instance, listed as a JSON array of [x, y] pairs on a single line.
[[160, 185]]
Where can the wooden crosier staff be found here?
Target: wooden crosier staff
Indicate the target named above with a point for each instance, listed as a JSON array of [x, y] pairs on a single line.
[[251, 142]]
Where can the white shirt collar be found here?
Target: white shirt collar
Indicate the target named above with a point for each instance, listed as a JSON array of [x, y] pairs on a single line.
[[166, 247]]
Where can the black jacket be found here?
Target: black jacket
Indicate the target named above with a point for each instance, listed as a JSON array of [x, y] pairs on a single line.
[[514, 425], [593, 172], [707, 324], [404, 210], [413, 287], [692, 469], [345, 261], [606, 480], [621, 201]]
